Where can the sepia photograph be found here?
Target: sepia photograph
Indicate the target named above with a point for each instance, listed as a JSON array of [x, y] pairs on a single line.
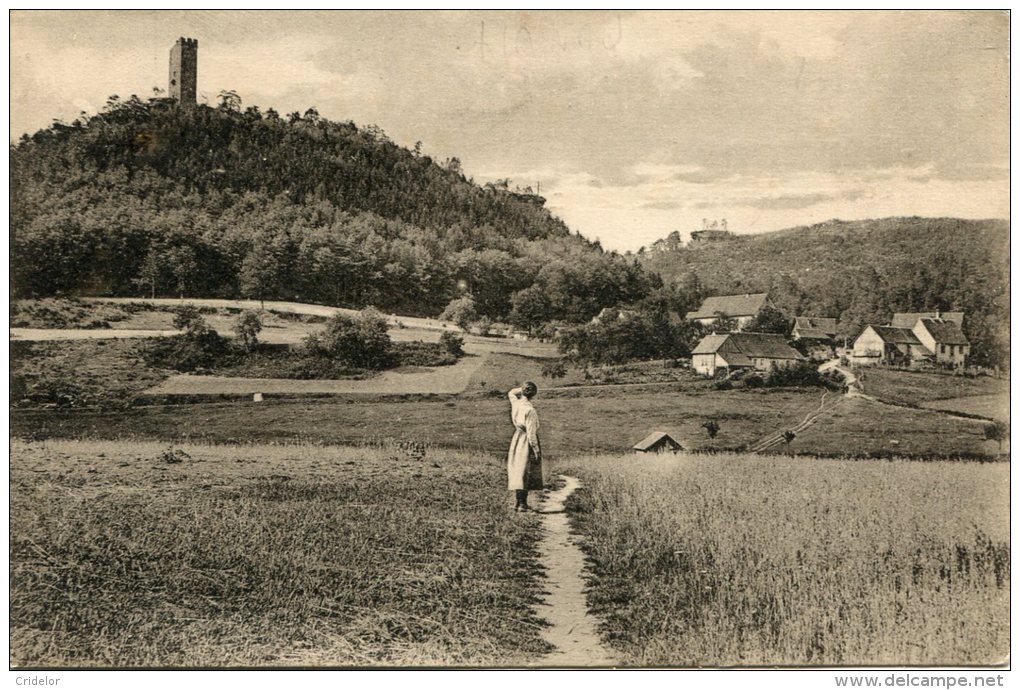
[[516, 339]]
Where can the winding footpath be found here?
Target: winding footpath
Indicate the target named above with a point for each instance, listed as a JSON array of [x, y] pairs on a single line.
[[572, 629]]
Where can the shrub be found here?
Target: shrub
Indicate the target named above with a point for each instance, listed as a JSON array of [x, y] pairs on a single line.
[[361, 342], [555, 369], [198, 350], [754, 381], [461, 311], [247, 329], [188, 318], [422, 354], [799, 374], [452, 343], [723, 385]]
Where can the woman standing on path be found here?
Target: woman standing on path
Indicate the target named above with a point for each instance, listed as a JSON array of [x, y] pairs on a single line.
[[524, 460]]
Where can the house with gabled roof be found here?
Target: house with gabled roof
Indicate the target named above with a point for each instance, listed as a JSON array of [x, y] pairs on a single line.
[[889, 345], [815, 328], [816, 336], [731, 351], [945, 339], [741, 308], [910, 319]]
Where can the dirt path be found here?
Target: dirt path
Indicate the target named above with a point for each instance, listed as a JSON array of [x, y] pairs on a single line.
[[572, 630]]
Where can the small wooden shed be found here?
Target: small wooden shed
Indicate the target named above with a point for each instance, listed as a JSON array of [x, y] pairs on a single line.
[[658, 442]]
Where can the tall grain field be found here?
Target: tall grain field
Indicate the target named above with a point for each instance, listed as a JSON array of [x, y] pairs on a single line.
[[744, 560]]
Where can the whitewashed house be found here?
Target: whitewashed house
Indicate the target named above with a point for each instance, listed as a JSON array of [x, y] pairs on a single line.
[[731, 351], [741, 308], [888, 345], [945, 339]]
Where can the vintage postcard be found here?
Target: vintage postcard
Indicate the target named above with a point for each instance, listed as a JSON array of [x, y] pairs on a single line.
[[509, 339]]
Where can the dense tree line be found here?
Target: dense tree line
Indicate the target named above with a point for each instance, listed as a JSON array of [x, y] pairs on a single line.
[[147, 199], [862, 272]]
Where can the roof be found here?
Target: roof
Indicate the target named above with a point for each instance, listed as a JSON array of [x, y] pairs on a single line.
[[736, 359], [748, 345], [709, 344], [815, 327], [902, 336], [730, 305], [945, 332], [910, 319], [767, 345], [654, 439]]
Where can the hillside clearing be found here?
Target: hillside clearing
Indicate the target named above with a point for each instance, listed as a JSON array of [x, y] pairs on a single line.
[[265, 556], [738, 560]]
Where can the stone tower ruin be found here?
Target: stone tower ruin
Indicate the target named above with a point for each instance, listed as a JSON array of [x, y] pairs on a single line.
[[184, 71]]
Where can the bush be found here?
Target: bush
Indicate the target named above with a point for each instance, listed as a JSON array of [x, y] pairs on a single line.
[[452, 343], [421, 354], [799, 374], [196, 350], [754, 381], [247, 329], [555, 369], [361, 342], [188, 318], [723, 385]]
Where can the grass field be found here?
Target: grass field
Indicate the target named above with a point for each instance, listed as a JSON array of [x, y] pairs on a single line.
[[265, 555], [916, 387], [609, 420], [739, 560], [991, 406]]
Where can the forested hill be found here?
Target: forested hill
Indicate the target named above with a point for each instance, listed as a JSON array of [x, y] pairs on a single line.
[[862, 271], [147, 198]]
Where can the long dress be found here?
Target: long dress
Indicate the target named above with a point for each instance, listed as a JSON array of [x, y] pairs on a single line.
[[524, 460]]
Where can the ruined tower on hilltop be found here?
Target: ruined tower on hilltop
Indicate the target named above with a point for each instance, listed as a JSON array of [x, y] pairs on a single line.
[[184, 71]]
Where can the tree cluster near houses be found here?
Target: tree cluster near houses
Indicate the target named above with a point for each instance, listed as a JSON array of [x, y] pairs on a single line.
[[148, 199]]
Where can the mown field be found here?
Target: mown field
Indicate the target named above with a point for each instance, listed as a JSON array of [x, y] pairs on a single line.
[[128, 554], [740, 560]]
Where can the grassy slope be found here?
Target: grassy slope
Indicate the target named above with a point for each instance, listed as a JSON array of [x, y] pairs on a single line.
[[259, 555], [914, 388], [737, 560], [108, 373]]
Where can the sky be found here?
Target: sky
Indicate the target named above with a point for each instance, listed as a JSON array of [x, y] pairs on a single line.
[[635, 124]]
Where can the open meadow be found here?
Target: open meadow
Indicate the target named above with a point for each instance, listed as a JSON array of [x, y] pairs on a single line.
[[136, 554], [742, 560]]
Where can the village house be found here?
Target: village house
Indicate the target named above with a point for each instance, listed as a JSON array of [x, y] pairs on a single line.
[[910, 319], [817, 336], [930, 338], [731, 351], [945, 339], [741, 308], [888, 345]]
